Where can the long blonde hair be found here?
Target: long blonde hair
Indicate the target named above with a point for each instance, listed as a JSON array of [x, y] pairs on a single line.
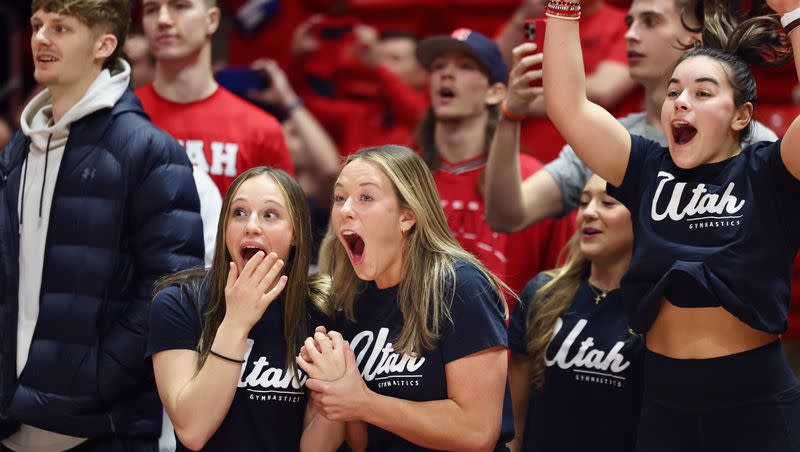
[[550, 302], [300, 288], [430, 252]]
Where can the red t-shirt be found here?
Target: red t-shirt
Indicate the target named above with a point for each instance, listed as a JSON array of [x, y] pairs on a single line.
[[223, 134], [602, 39], [515, 258]]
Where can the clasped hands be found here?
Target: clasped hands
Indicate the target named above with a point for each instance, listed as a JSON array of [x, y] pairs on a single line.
[[337, 390]]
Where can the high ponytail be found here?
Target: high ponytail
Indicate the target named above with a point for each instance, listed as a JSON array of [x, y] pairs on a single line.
[[756, 37], [737, 40]]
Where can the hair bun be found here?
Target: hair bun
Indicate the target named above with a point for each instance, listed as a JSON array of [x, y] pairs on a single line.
[[756, 37]]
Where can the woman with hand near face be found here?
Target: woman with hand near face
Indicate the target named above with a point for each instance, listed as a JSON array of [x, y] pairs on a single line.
[[223, 340], [714, 241], [575, 368], [426, 365]]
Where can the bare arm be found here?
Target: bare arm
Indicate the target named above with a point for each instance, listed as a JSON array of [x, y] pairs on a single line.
[[791, 139], [319, 433], [356, 434], [512, 204], [183, 390], [194, 415], [469, 419], [597, 137], [519, 381], [322, 357], [320, 155]]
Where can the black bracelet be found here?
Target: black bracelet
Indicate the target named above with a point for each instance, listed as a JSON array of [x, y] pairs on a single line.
[[237, 361], [297, 103]]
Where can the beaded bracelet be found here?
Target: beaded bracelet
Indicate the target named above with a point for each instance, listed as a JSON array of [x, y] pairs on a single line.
[[508, 115], [232, 360], [563, 10]]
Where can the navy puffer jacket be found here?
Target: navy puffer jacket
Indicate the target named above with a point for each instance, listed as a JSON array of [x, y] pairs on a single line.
[[125, 212]]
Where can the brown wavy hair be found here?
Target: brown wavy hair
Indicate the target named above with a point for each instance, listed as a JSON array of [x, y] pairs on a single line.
[[550, 302], [300, 288]]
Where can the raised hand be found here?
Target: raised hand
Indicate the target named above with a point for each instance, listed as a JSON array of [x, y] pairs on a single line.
[[532, 8], [322, 356], [520, 93], [342, 399], [278, 91], [249, 293], [367, 44], [303, 40]]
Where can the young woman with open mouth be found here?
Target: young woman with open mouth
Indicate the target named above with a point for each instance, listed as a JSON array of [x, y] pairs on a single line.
[[575, 368], [424, 319], [714, 233], [223, 340]]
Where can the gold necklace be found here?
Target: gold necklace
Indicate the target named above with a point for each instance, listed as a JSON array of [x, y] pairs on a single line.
[[599, 296]]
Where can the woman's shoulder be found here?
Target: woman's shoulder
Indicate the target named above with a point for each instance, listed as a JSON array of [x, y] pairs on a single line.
[[536, 283], [468, 275], [651, 148], [762, 148]]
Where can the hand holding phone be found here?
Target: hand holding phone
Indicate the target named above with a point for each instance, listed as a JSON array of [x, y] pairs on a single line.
[[242, 79], [533, 30]]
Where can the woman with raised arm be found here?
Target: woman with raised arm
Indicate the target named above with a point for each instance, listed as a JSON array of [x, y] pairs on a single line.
[[424, 319], [714, 234], [575, 367], [223, 340]]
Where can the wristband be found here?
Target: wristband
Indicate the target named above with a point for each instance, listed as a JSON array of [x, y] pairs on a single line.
[[788, 18], [508, 115], [563, 10], [296, 103], [237, 361], [792, 25]]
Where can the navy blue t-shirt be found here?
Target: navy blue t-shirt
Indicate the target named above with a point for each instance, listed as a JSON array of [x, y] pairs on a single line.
[[592, 391], [478, 324], [721, 234], [268, 408]]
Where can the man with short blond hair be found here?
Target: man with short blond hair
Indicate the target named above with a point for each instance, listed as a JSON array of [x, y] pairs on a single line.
[[223, 134], [95, 205]]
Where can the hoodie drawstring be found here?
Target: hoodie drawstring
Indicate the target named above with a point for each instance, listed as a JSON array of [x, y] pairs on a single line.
[[25, 178], [44, 179]]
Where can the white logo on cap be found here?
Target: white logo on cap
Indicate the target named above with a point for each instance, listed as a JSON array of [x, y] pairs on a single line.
[[461, 34]]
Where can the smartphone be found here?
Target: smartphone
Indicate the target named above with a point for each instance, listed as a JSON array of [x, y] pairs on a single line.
[[533, 31], [241, 79]]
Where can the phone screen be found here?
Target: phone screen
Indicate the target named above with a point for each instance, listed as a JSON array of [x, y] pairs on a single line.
[[240, 80]]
